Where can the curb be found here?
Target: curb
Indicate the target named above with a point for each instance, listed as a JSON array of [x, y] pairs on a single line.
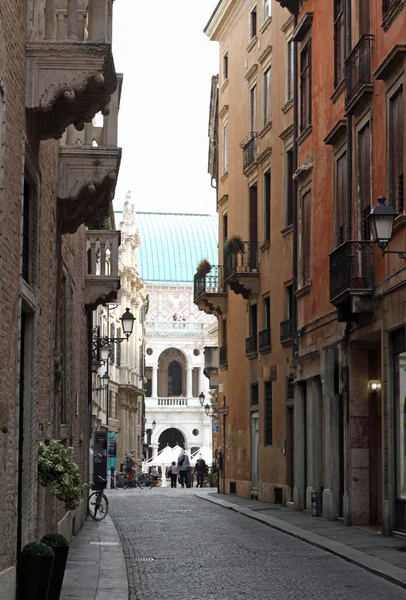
[[108, 534], [378, 567]]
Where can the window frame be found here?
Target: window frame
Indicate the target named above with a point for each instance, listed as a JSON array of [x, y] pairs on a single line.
[[267, 6], [305, 240], [306, 85], [268, 414], [398, 87], [267, 199], [225, 66], [253, 23], [340, 228], [224, 154], [339, 41], [267, 90]]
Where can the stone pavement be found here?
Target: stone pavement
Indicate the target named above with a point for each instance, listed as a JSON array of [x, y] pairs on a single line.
[[382, 555], [96, 569]]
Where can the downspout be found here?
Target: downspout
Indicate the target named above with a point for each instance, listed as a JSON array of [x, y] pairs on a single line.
[[348, 48], [295, 346]]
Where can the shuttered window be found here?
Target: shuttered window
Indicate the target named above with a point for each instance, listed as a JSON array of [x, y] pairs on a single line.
[[339, 41], [396, 150], [254, 394], [364, 180], [306, 245], [289, 187], [364, 8], [340, 194], [268, 413], [267, 206], [305, 87]]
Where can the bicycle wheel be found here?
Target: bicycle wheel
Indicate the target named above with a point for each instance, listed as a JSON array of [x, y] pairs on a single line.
[[97, 506], [126, 482]]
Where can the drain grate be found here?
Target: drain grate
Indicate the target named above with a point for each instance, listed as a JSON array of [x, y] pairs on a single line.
[[142, 559]]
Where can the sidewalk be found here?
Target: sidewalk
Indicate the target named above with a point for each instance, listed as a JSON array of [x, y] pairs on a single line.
[[96, 568], [381, 555]]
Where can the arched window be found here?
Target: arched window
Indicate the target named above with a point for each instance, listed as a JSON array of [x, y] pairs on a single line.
[[174, 379]]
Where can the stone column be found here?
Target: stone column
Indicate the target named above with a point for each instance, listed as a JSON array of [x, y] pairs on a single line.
[[331, 476], [300, 445], [97, 18], [189, 371], [50, 20], [154, 387], [154, 450]]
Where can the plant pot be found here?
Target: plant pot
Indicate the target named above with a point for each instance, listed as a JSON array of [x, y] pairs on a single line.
[[34, 576], [236, 247], [58, 572], [204, 271]]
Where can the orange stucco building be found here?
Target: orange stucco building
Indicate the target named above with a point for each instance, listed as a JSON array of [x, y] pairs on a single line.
[[320, 409]]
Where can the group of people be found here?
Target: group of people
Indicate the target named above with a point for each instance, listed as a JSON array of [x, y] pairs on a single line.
[[180, 471]]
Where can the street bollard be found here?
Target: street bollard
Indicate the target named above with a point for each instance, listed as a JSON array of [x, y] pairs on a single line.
[[315, 512], [112, 486]]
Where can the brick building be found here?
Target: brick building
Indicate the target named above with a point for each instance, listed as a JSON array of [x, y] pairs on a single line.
[[333, 408], [56, 71]]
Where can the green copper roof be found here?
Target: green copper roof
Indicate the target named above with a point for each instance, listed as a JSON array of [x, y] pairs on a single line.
[[173, 244]]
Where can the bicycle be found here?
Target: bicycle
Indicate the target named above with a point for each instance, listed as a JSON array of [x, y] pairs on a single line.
[[98, 504], [130, 480]]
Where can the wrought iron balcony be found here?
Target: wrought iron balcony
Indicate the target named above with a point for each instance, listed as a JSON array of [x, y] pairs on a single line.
[[210, 294], [241, 269], [264, 339], [223, 356], [251, 346], [89, 163], [358, 72], [250, 151], [351, 279], [286, 332], [102, 280], [70, 68]]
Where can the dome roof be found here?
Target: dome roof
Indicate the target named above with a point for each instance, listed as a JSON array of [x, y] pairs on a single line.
[[173, 244]]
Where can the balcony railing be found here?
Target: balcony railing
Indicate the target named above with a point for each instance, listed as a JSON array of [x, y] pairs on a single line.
[[154, 327], [251, 348], [209, 283], [223, 356], [351, 268], [101, 278], [173, 401], [358, 67], [286, 331], [244, 260], [249, 149], [264, 340]]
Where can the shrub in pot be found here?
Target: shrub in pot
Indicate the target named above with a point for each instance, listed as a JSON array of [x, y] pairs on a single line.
[[35, 571], [60, 546]]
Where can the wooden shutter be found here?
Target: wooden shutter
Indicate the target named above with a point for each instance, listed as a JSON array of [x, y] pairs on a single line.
[[306, 242], [341, 186], [364, 17], [364, 180], [268, 413], [267, 206], [396, 156]]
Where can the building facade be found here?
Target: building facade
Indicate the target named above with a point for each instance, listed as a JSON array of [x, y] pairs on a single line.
[[56, 72], [176, 332], [336, 139]]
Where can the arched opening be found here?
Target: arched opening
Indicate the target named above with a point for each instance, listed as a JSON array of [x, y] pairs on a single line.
[[174, 379], [171, 437]]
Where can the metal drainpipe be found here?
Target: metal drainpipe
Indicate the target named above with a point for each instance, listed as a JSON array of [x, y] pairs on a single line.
[[89, 384], [348, 48], [295, 348]]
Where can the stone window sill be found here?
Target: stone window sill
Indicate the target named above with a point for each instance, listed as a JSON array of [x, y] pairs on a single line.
[[265, 25], [340, 87], [252, 43], [224, 85], [287, 106], [287, 230], [305, 289], [305, 133], [224, 176], [265, 128], [391, 14]]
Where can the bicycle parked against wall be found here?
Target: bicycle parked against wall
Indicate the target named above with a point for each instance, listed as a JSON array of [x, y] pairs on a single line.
[[98, 504]]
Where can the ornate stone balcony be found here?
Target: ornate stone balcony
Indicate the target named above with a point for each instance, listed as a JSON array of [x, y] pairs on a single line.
[[241, 269], [102, 280], [210, 294], [70, 71], [89, 162]]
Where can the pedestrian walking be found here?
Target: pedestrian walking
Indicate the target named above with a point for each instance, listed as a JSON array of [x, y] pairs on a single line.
[[154, 472], [200, 470], [184, 469], [173, 471]]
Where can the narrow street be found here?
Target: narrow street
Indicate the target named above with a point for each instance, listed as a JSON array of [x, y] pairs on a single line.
[[177, 545]]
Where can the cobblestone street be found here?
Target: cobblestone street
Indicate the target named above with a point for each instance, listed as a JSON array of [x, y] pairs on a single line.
[[177, 545]]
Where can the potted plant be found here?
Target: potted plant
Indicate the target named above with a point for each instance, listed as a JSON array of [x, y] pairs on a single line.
[[234, 243], [203, 267], [60, 546], [58, 472], [35, 571]]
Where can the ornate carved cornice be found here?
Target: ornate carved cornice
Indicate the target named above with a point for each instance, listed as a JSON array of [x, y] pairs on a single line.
[[68, 82]]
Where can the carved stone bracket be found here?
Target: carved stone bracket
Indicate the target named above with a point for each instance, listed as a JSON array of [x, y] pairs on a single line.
[[68, 83], [100, 290], [87, 180]]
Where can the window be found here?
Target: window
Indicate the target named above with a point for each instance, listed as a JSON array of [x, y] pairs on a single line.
[[253, 23], [254, 394], [267, 96], [253, 108], [267, 9], [224, 332], [290, 70], [225, 148], [289, 187], [305, 87], [225, 226], [339, 41], [305, 238], [364, 11], [29, 233], [289, 301], [267, 206], [388, 4], [396, 150], [268, 413], [267, 313], [225, 66], [341, 195], [364, 180], [253, 320]]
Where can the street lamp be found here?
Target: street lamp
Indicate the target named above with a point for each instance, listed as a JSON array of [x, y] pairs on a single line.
[[381, 220], [201, 398], [102, 345], [105, 381], [127, 321], [207, 409], [153, 424]]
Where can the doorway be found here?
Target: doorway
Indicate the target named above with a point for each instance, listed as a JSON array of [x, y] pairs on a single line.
[[254, 450], [171, 437], [174, 379]]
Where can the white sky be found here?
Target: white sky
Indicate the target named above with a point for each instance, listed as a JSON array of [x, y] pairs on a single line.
[[167, 63]]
